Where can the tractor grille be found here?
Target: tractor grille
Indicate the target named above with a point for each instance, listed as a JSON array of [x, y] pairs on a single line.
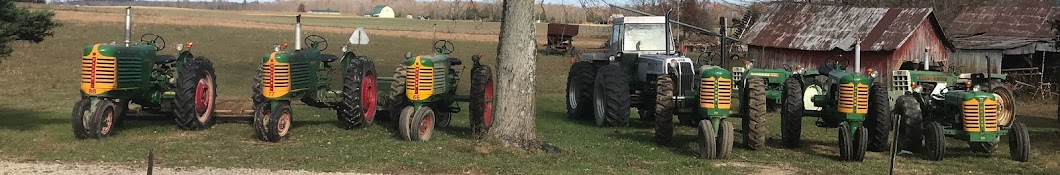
[[276, 79], [98, 73], [974, 122], [707, 89], [854, 99], [901, 81], [420, 85]]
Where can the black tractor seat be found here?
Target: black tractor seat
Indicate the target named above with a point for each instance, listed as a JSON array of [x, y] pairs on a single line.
[[455, 61], [328, 58], [165, 59]]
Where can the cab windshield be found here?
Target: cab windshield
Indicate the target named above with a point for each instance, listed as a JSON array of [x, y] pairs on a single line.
[[645, 37]]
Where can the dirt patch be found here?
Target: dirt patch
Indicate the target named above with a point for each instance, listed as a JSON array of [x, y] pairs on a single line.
[[81, 168], [781, 169]]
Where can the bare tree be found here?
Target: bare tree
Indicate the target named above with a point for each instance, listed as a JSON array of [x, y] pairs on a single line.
[[515, 124]]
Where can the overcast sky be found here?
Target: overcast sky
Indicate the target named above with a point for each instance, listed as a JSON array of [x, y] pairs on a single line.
[[546, 1]]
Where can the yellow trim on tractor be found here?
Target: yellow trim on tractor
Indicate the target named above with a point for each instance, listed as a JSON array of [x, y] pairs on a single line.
[[854, 99], [976, 120], [707, 97], [99, 73], [420, 85], [276, 78]]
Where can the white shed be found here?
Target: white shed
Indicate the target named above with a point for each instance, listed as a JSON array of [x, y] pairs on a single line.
[[382, 11]]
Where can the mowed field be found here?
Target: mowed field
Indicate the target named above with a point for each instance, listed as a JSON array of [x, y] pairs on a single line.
[[39, 84]]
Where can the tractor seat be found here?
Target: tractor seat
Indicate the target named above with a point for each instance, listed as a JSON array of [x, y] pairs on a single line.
[[165, 59], [328, 58], [455, 61]]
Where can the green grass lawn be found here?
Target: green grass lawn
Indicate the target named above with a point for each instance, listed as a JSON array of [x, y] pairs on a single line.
[[39, 84]]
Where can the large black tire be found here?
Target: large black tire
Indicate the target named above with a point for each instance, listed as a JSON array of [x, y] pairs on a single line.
[[256, 96], [611, 97], [273, 124], [846, 143], [791, 113], [580, 90], [405, 122], [481, 105], [878, 120], [725, 139], [422, 126], [707, 141], [1019, 143], [359, 95], [82, 110], [935, 142], [911, 123], [101, 123], [1006, 102], [754, 126], [664, 106], [121, 112], [197, 76], [396, 98]]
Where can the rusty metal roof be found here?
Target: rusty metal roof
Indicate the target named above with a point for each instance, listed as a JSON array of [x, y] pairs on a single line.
[[824, 28], [994, 27]]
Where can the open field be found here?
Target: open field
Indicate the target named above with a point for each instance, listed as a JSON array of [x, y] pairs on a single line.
[[40, 87]]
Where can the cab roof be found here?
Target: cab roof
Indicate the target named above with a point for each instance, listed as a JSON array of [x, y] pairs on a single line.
[[640, 20]]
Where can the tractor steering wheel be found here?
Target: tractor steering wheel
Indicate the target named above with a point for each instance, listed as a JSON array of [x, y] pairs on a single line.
[[155, 39], [315, 41], [708, 56], [446, 47]]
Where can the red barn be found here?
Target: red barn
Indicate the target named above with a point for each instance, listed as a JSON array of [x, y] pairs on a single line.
[[810, 35]]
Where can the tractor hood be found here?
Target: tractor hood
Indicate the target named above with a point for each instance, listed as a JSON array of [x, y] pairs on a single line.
[[660, 64], [114, 50]]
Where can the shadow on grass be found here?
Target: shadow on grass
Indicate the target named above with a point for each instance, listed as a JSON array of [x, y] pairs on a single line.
[[24, 120], [1038, 121]]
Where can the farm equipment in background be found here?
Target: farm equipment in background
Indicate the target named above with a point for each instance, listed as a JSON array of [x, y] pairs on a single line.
[[759, 92], [561, 38], [305, 75], [840, 98], [116, 74], [430, 84], [972, 107], [641, 70]]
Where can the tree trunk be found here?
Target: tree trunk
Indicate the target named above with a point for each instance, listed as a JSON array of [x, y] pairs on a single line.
[[514, 124]]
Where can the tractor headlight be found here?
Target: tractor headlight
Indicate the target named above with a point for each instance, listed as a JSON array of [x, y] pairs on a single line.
[[345, 47], [800, 70], [976, 88], [276, 48], [180, 47]]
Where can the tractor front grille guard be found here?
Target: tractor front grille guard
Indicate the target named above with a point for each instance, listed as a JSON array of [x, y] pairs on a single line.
[[420, 85], [980, 116], [276, 79], [711, 85], [99, 74], [854, 98]]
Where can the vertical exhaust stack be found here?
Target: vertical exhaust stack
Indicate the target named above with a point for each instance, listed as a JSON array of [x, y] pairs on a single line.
[[128, 25], [857, 57], [927, 59], [669, 34], [298, 32]]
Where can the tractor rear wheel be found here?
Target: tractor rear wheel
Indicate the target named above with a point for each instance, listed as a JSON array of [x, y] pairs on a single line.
[[910, 123], [101, 123], [82, 111], [359, 95], [791, 113], [195, 94], [878, 119], [422, 124], [1019, 143], [121, 108], [257, 97], [1006, 103], [396, 98], [481, 103], [273, 123], [611, 97], [707, 141], [405, 122], [580, 90], [754, 126], [725, 139], [664, 106], [846, 143], [935, 142]]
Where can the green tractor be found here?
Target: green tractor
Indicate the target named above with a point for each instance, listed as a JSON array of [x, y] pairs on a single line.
[[305, 75], [113, 75], [430, 84], [759, 90], [973, 107], [840, 98]]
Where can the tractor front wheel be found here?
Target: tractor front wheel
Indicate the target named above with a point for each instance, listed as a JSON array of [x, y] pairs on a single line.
[[725, 139], [879, 118], [935, 142], [359, 95], [481, 103], [664, 106], [423, 124], [846, 143], [101, 124], [580, 90], [273, 123], [611, 97], [82, 111], [791, 113], [1019, 143], [754, 126], [405, 122], [195, 94], [707, 141]]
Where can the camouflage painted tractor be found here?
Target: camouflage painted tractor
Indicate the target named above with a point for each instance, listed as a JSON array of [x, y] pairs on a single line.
[[839, 98], [641, 70], [116, 74], [305, 75], [759, 90], [430, 84], [973, 107]]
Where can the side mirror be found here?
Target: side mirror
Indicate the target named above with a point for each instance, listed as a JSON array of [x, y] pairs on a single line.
[[408, 55]]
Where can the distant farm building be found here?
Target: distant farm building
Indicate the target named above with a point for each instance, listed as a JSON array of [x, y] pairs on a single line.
[[810, 35], [325, 12], [382, 11], [1017, 39]]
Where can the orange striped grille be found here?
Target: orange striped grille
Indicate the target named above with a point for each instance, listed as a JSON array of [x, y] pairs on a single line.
[[420, 84], [721, 100], [99, 73], [974, 122], [854, 99], [276, 79]]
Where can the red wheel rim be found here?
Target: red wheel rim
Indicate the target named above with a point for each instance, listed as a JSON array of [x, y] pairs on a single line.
[[368, 95], [426, 124], [488, 111], [108, 122], [284, 124], [204, 97]]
